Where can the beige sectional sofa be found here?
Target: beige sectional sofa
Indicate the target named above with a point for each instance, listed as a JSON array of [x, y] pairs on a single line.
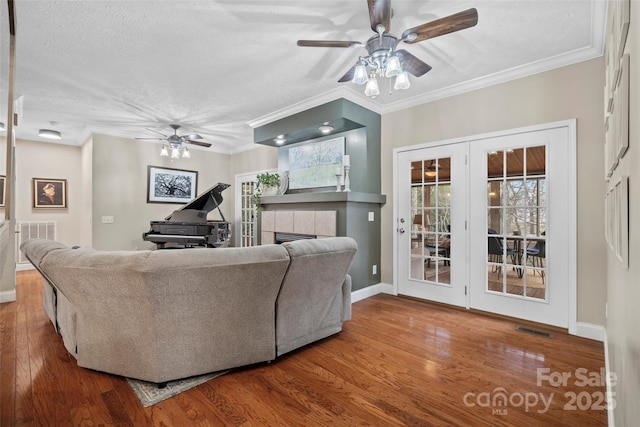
[[168, 314]]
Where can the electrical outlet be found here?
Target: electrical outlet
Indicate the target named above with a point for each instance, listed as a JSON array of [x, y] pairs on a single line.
[[371, 216], [107, 220], [375, 269]]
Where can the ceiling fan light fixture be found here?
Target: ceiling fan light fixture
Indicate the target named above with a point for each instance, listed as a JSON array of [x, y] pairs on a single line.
[[432, 169], [372, 89], [175, 153], [360, 75], [402, 81], [49, 133], [164, 151], [185, 153], [393, 67]]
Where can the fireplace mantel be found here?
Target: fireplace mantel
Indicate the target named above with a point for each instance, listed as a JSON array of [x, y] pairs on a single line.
[[325, 197]]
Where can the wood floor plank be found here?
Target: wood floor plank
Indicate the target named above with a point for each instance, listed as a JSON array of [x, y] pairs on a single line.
[[399, 362]]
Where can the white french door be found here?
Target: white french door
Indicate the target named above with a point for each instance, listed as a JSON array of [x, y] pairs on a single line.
[[519, 228], [506, 202], [431, 221], [245, 210]]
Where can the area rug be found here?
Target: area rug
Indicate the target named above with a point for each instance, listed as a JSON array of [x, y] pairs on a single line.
[[149, 394]]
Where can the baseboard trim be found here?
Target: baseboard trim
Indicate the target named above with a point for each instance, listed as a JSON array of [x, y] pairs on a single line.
[[589, 330], [369, 291], [24, 267], [7, 296], [610, 393]]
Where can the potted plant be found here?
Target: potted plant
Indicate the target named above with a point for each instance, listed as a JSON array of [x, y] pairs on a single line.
[[267, 184]]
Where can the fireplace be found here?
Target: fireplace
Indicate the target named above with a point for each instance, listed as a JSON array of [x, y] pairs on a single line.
[[288, 225], [290, 237], [328, 214]]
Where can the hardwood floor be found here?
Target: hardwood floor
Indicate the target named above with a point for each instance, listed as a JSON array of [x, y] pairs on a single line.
[[399, 362]]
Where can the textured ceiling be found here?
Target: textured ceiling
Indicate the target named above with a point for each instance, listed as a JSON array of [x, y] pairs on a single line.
[[219, 67]]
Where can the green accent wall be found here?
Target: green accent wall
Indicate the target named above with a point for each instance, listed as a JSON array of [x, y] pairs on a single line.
[[361, 129]]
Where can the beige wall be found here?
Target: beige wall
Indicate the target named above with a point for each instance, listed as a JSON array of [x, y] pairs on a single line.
[[566, 93], [120, 188], [623, 285], [47, 160]]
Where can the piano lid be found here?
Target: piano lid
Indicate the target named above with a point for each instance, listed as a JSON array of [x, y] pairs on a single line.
[[207, 201]]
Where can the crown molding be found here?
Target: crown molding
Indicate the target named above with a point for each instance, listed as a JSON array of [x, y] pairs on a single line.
[[559, 61], [337, 93]]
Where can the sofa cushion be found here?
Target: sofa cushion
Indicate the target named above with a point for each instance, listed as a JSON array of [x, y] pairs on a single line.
[[315, 291]]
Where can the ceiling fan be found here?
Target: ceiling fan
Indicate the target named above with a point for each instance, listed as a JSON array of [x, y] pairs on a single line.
[[176, 142], [384, 60]]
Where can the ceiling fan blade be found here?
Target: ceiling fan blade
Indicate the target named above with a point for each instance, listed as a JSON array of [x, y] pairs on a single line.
[[348, 76], [328, 43], [412, 64], [200, 143], [380, 14], [439, 27], [155, 131], [157, 139]]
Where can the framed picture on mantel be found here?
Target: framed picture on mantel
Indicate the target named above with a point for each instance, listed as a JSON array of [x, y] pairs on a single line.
[[315, 164]]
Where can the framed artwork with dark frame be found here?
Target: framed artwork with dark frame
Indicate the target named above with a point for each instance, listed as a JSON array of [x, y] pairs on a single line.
[[49, 193], [3, 185], [167, 185]]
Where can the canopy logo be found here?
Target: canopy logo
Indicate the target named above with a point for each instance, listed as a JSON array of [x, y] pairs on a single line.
[[499, 400]]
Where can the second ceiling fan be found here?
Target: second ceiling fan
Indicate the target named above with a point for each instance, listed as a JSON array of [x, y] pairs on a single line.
[[384, 60], [177, 143]]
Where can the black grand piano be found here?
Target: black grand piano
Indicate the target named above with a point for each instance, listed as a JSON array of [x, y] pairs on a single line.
[[188, 227]]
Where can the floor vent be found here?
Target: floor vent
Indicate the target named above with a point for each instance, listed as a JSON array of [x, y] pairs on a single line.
[[534, 332]]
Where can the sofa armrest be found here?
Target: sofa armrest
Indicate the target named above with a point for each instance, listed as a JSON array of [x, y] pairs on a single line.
[[346, 298]]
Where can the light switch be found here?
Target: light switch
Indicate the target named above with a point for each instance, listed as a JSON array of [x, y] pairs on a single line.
[[107, 220], [371, 216]]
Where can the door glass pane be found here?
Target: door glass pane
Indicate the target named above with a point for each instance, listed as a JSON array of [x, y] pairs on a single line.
[[515, 162], [431, 219], [247, 214], [516, 222]]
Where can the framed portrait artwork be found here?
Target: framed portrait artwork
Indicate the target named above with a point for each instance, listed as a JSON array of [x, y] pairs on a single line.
[[3, 188], [167, 185], [49, 193]]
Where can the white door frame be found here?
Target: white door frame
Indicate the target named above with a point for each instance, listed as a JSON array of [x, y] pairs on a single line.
[[571, 201]]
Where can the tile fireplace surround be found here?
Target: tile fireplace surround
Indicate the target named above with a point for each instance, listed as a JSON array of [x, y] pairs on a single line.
[[314, 223]]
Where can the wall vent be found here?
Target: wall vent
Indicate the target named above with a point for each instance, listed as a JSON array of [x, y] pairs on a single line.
[[33, 230]]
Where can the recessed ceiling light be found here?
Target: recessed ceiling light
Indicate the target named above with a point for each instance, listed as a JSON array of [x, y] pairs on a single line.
[[49, 133], [279, 140], [325, 128]]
